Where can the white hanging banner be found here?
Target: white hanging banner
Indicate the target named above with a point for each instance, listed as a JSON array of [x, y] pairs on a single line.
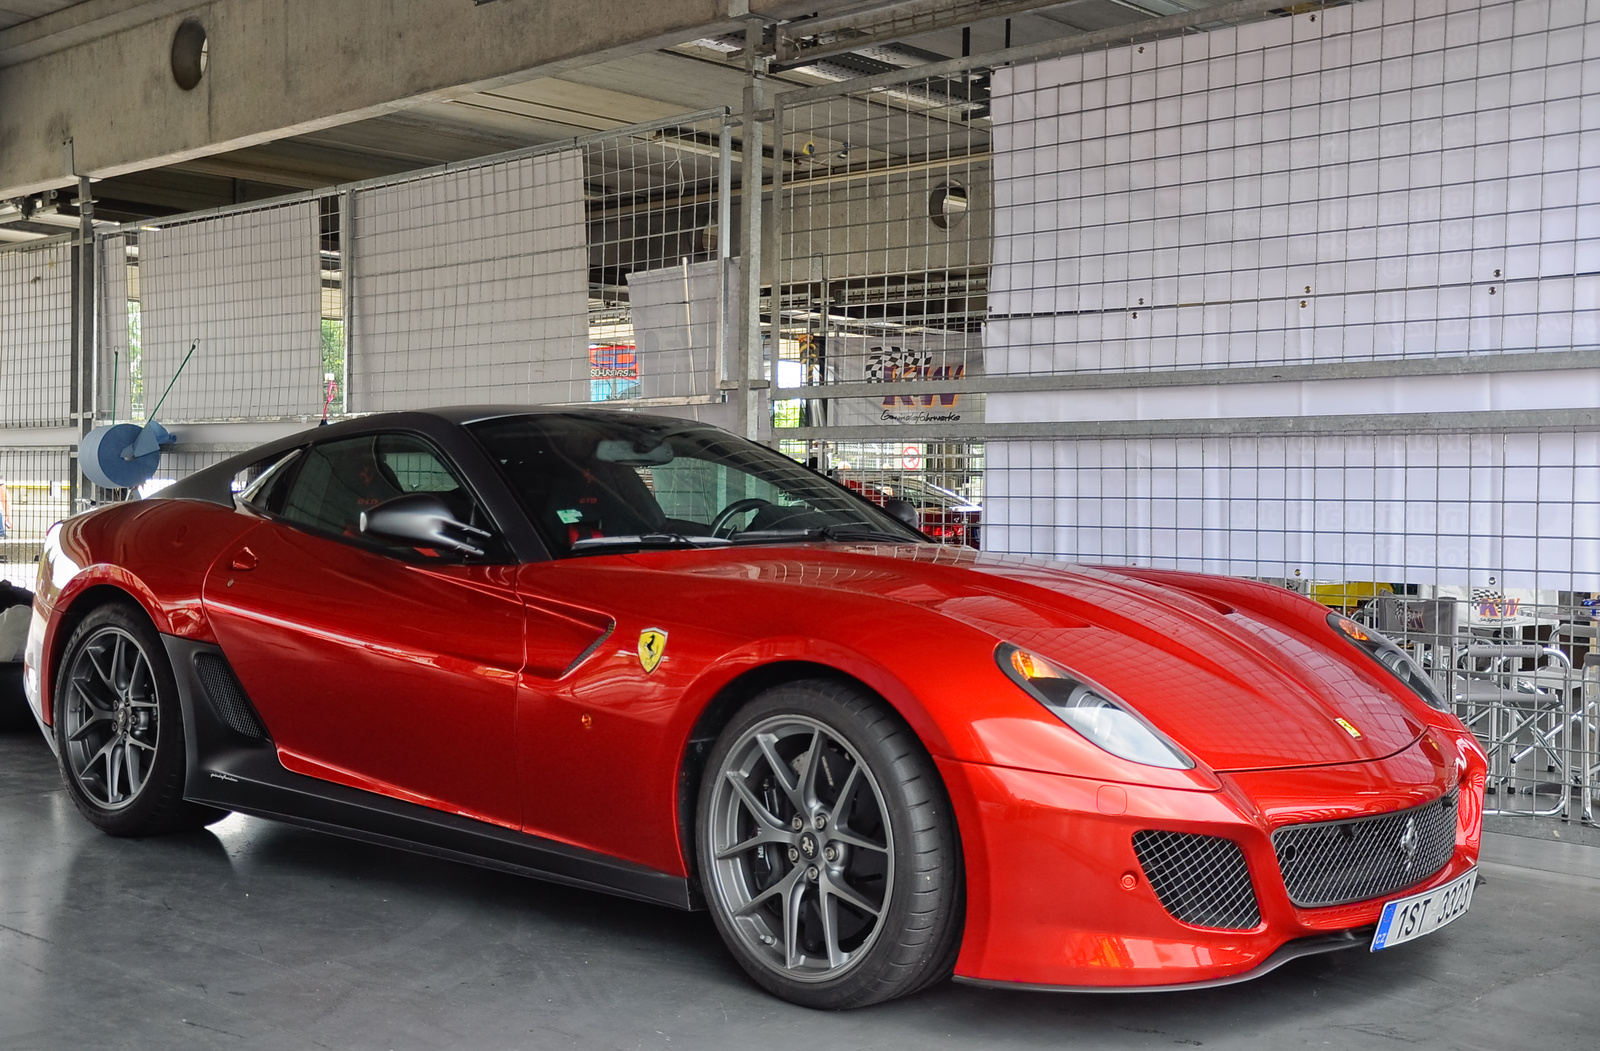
[[36, 336], [677, 328], [248, 287], [471, 286]]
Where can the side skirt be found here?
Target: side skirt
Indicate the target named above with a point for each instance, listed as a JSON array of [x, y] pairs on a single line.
[[231, 768]]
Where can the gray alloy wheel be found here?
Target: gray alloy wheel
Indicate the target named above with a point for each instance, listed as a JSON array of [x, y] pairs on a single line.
[[803, 848], [111, 721], [826, 848], [119, 727]]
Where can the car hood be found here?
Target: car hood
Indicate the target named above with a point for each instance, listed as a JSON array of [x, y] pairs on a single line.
[[1256, 688]]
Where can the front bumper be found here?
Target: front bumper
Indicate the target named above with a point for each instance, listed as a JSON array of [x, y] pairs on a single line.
[[1056, 895], [32, 662]]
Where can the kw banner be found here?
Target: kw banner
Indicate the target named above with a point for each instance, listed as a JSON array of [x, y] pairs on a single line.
[[895, 359]]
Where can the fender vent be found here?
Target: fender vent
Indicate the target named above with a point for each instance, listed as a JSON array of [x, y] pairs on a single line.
[[1336, 862], [1202, 880], [227, 696]]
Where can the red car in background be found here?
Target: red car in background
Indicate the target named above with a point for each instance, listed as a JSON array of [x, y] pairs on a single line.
[[943, 514], [648, 657]]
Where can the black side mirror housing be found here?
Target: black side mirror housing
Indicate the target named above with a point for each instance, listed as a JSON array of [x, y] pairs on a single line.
[[904, 510], [423, 519]]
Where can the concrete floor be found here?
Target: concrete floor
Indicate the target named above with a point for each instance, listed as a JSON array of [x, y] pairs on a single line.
[[256, 935]]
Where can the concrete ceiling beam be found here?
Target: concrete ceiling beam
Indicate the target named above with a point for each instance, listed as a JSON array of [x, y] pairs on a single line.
[[277, 68]]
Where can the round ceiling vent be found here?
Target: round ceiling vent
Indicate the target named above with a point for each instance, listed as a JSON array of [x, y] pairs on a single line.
[[189, 54], [947, 204]]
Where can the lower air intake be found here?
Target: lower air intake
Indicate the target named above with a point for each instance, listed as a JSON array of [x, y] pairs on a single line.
[[1202, 880]]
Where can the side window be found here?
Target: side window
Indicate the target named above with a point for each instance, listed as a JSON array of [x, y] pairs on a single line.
[[337, 481], [263, 485]]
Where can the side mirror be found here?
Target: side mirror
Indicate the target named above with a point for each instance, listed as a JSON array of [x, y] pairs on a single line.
[[904, 510], [423, 519]]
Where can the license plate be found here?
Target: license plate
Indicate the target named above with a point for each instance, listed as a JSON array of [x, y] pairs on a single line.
[[1405, 919]]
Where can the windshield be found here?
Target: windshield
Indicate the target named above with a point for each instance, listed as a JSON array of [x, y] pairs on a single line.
[[601, 482]]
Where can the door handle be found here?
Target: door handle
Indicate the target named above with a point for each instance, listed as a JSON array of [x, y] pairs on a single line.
[[244, 560]]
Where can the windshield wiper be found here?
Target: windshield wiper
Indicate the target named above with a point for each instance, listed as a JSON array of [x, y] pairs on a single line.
[[866, 533], [829, 532], [647, 540]]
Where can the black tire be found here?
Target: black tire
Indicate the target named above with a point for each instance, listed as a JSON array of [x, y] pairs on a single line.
[[827, 849], [119, 727]]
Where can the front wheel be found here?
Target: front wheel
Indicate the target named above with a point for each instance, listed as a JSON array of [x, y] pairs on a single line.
[[827, 849], [119, 727]]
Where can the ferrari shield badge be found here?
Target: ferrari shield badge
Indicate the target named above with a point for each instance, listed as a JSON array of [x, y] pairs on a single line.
[[1349, 729], [652, 647]]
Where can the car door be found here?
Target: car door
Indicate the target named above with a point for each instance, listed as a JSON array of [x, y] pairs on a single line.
[[378, 665]]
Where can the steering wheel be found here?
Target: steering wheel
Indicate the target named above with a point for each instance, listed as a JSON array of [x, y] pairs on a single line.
[[724, 516]]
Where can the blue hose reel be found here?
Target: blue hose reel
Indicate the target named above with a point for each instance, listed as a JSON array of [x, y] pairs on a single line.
[[126, 455], [123, 455]]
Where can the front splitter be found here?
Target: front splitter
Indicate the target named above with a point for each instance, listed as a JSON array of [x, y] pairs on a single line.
[[1291, 950]]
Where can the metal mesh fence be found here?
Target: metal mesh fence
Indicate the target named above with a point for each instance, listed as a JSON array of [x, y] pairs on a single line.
[[242, 291], [511, 279], [659, 216], [36, 334], [1310, 300], [35, 484], [884, 207]]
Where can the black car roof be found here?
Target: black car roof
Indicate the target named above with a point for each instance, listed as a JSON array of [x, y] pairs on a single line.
[[214, 484]]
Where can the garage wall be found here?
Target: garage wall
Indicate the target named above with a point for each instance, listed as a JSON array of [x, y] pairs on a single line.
[[1385, 182]]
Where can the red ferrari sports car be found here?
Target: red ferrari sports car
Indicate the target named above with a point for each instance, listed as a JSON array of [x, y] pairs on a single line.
[[646, 656]]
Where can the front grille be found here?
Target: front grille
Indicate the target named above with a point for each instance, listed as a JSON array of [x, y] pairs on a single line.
[[1202, 880], [1337, 862], [227, 695]]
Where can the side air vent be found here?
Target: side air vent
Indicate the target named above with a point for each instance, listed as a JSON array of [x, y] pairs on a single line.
[[226, 696], [1202, 880]]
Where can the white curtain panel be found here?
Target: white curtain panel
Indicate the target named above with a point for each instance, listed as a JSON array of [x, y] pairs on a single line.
[[35, 336], [1391, 180], [471, 286], [1377, 183], [1452, 509], [248, 287], [676, 327]]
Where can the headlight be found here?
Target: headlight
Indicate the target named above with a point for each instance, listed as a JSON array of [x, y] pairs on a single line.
[[1396, 660], [1090, 710]]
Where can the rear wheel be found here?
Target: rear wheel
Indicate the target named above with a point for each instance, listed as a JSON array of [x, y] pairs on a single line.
[[119, 727], [827, 849]]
